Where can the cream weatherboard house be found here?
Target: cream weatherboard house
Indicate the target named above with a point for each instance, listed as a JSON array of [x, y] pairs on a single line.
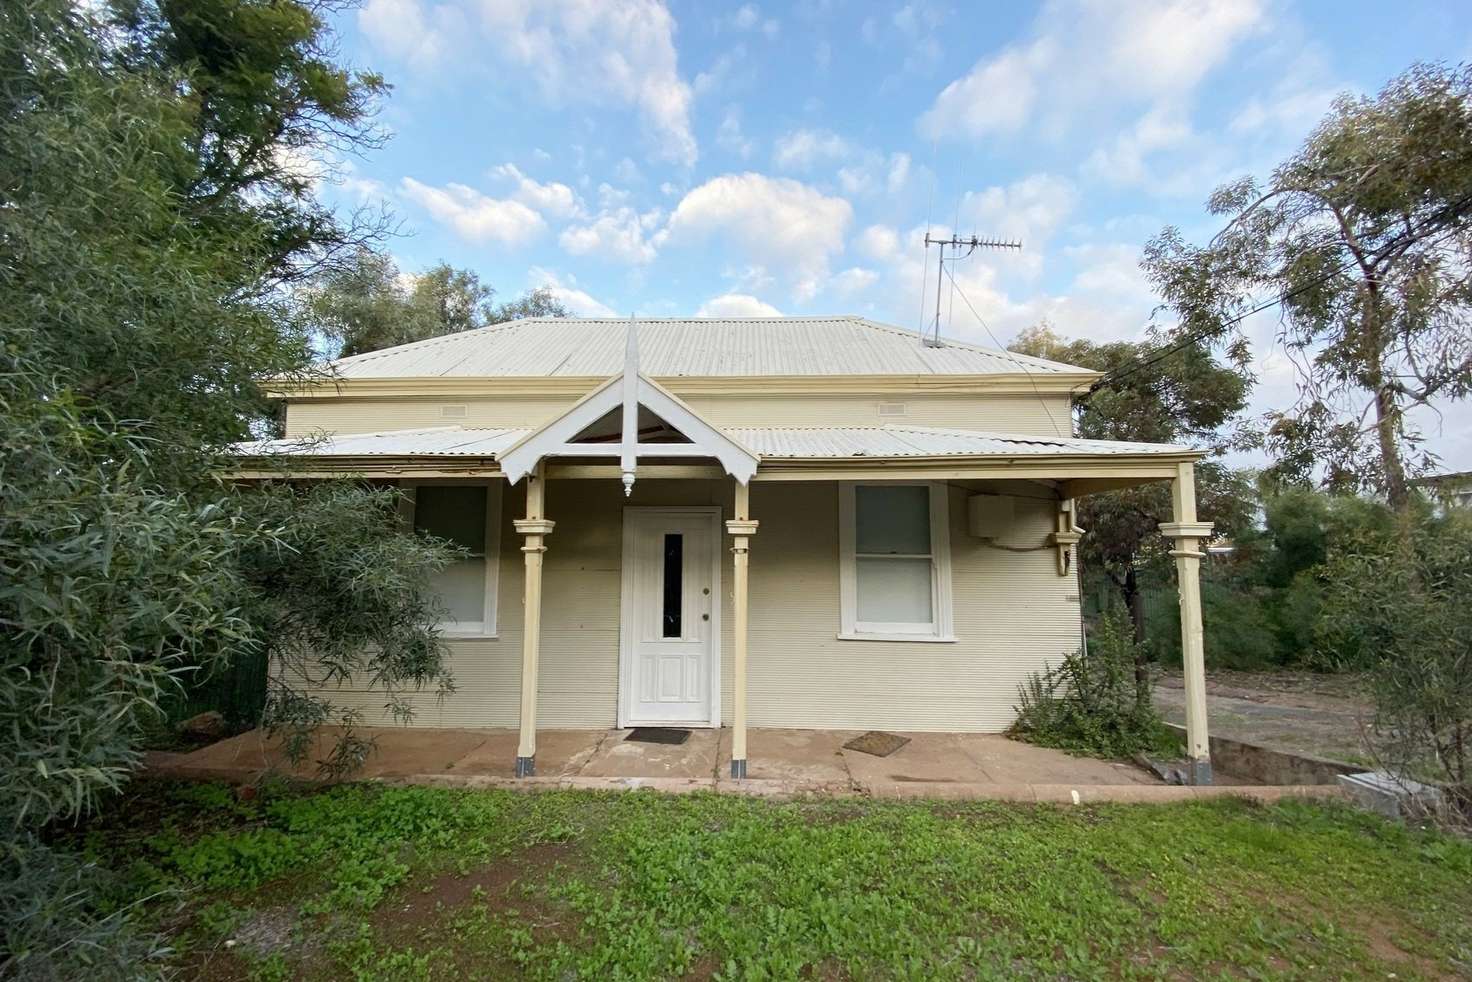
[[818, 522]]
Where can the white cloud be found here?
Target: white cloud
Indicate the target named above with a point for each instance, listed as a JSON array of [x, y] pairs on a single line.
[[403, 29], [1032, 208], [1124, 161], [726, 71], [729, 135], [737, 305], [565, 290], [618, 234], [748, 17], [873, 172], [627, 171], [473, 215], [879, 242], [997, 96], [854, 280], [595, 52], [1299, 98], [1164, 154], [801, 149], [913, 32], [1083, 55], [557, 200], [778, 223]]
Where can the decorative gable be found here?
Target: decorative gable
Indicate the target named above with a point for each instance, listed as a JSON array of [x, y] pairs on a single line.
[[629, 416]]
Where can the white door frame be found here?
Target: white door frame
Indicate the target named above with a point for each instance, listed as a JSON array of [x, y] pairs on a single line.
[[628, 615]]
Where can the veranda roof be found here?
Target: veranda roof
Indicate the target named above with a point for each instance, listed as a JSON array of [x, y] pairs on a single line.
[[836, 443]]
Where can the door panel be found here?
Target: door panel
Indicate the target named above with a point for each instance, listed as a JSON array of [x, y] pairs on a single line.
[[669, 635]]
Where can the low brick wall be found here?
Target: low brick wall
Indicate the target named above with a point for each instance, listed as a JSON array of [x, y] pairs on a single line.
[[1261, 765]]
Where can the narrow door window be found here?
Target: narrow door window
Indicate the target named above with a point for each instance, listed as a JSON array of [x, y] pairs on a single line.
[[674, 584]]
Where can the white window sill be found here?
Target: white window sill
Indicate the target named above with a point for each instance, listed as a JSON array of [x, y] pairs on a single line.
[[449, 635], [897, 636]]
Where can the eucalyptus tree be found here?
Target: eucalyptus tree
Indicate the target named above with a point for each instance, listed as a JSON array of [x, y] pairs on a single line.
[[1363, 237], [367, 303], [1189, 398]]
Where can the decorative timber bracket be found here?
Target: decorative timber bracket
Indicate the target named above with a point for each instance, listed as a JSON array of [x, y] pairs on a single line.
[[625, 394], [1066, 536]]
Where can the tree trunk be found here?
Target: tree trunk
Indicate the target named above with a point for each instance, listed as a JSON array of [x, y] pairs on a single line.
[[1392, 464], [1134, 601]]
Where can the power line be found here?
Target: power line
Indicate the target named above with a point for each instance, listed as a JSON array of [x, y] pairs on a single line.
[[956, 287], [1112, 377], [929, 212]]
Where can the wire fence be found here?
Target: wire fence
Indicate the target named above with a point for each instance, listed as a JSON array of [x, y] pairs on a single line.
[[1101, 595], [237, 691]]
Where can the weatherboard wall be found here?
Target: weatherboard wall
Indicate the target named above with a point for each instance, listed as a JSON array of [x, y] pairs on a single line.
[[1021, 413], [1013, 614]]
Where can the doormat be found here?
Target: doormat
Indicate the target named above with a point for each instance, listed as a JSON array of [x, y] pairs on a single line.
[[657, 734], [876, 742]]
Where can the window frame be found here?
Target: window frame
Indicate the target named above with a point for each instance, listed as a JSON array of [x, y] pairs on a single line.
[[940, 628], [485, 628]]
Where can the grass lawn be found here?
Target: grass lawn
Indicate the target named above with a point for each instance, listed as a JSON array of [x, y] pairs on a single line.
[[371, 882]]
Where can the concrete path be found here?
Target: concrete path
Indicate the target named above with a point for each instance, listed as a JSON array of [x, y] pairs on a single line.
[[781, 763]]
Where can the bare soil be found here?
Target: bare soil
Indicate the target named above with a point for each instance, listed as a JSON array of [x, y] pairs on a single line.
[[1299, 712]]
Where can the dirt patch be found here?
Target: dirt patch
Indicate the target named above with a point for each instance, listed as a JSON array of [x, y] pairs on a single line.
[[1307, 690], [265, 932], [423, 903], [1295, 712], [1377, 939]]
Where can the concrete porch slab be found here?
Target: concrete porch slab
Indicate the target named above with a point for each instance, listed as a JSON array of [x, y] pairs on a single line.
[[812, 758], [617, 756], [783, 763]]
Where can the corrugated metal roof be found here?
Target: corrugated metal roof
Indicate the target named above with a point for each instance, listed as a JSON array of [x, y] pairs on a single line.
[[441, 441], [802, 442], [771, 443], [674, 347]]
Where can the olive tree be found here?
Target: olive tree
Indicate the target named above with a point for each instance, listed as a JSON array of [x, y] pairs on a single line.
[[146, 247], [1405, 602]]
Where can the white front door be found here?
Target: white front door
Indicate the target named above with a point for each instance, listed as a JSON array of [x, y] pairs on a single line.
[[669, 660]]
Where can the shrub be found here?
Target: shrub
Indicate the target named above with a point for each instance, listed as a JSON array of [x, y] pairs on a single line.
[[1239, 621], [1401, 600], [64, 918], [1094, 702]]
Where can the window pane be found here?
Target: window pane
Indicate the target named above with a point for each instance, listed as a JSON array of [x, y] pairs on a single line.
[[674, 583], [894, 591], [892, 519], [453, 511], [462, 588]]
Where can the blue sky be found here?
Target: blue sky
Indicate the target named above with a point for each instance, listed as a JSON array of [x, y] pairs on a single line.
[[703, 158]]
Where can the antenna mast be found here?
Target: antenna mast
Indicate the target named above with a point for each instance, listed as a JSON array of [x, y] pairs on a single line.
[[932, 340]]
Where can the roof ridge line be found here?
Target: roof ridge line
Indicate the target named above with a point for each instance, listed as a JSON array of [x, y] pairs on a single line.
[[983, 349], [437, 339]]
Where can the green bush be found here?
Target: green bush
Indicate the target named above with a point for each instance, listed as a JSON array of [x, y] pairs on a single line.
[[1399, 603], [1095, 702], [1240, 623]]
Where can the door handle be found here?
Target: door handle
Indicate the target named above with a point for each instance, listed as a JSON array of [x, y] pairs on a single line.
[[705, 617]]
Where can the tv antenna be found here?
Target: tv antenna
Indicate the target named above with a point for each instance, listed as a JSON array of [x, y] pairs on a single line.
[[955, 242]]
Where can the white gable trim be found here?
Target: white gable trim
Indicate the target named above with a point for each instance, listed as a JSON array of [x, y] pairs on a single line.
[[630, 389]]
